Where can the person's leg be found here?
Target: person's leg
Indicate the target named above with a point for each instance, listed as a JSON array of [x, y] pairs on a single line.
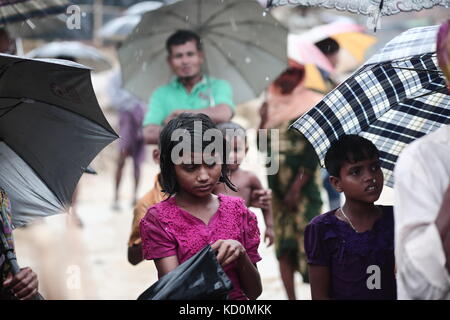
[[118, 178], [287, 271], [73, 214], [137, 176]]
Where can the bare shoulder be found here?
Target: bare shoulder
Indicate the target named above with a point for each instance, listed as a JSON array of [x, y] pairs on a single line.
[[252, 179]]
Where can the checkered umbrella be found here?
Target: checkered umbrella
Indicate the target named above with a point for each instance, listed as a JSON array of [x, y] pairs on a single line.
[[398, 96]]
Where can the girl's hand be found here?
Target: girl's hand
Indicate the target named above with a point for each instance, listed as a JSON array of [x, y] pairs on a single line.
[[24, 285], [261, 198], [269, 236], [228, 251]]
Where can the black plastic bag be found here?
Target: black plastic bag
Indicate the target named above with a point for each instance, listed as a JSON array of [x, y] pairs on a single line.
[[199, 278]]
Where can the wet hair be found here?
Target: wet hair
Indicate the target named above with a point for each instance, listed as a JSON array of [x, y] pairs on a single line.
[[290, 78], [328, 46], [349, 148], [166, 145], [228, 128], [181, 37]]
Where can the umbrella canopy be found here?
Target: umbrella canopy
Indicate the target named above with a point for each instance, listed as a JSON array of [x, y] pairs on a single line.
[[21, 10], [78, 51], [398, 96], [366, 7], [119, 28], [242, 44], [51, 128], [142, 7]]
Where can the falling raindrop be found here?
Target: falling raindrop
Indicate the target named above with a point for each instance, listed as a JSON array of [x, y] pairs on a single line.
[[248, 60], [264, 13], [144, 66], [187, 18], [267, 78]]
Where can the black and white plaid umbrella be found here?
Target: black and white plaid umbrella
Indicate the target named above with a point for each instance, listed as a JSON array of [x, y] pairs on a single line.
[[398, 96]]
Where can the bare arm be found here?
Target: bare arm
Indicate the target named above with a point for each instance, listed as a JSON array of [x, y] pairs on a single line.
[[443, 225], [319, 277], [151, 133], [263, 199], [249, 278], [165, 265], [218, 114]]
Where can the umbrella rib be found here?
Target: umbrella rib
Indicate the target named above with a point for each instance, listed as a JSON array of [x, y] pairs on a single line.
[[250, 23], [419, 70], [222, 11], [9, 109], [243, 42], [37, 174], [231, 62], [171, 13]]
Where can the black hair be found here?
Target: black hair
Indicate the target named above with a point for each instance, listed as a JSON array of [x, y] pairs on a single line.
[[328, 46], [181, 37], [349, 148], [186, 122], [232, 127]]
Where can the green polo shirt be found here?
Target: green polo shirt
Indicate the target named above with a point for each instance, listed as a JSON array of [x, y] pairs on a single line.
[[173, 96]]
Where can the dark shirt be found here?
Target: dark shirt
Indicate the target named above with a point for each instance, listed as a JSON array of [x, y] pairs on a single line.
[[332, 242]]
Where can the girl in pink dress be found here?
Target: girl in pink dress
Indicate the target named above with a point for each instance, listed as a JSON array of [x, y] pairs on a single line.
[[174, 230]]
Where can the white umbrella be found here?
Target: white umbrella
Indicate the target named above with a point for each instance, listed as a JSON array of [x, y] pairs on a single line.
[[142, 7], [372, 8], [119, 28], [78, 51]]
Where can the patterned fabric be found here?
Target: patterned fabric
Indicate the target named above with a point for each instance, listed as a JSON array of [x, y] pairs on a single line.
[[6, 237], [295, 154], [151, 198], [365, 7], [167, 230], [390, 103], [21, 10]]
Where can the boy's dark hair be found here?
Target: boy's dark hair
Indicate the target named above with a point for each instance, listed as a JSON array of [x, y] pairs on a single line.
[[349, 148], [238, 130], [166, 145], [181, 37], [328, 46]]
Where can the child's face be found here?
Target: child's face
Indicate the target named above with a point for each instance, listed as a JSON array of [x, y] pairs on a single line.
[[361, 181], [237, 153], [195, 178]]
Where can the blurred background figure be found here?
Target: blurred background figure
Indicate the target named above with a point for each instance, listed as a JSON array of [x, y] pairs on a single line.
[[296, 196], [330, 48], [7, 45], [131, 114]]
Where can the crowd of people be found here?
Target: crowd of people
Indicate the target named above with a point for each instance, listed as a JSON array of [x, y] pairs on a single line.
[[201, 196]]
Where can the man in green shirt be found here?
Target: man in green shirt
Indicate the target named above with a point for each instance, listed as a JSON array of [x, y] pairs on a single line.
[[190, 91]]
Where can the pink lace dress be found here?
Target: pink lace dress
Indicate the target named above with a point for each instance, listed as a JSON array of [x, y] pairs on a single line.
[[167, 230]]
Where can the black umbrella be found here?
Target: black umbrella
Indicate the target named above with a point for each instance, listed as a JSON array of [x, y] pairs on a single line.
[[51, 128]]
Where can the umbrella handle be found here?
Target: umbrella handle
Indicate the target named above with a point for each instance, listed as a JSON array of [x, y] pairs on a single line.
[[11, 258]]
